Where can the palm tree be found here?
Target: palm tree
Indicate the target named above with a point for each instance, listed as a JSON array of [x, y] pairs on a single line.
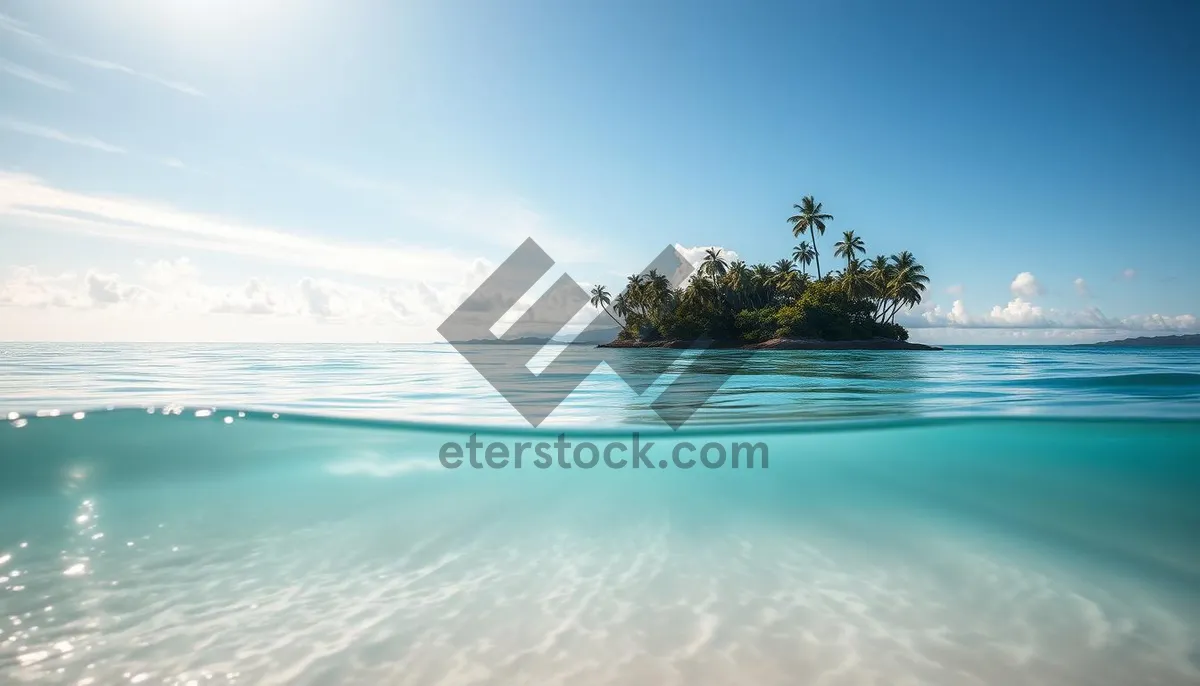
[[737, 275], [854, 279], [783, 277], [713, 265], [738, 280], [633, 295], [879, 276], [803, 255], [701, 290], [908, 283], [791, 284], [810, 219], [659, 284], [622, 305], [849, 247], [601, 299], [760, 275], [761, 271], [634, 282]]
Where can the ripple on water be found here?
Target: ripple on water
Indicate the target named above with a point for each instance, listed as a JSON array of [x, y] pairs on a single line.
[[432, 383]]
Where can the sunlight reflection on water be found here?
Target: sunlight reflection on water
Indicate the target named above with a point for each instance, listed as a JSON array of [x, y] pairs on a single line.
[[432, 383]]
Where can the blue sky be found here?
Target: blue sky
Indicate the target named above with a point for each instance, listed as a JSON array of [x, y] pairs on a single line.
[[310, 170]]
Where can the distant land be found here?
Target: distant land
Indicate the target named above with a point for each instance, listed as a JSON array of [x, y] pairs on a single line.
[[1177, 341]]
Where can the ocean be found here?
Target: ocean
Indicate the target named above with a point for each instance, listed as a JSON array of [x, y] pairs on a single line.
[[286, 514]]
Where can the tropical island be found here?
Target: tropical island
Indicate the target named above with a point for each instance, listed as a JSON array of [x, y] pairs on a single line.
[[777, 306]]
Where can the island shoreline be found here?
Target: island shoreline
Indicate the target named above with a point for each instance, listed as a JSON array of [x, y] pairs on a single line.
[[778, 344]]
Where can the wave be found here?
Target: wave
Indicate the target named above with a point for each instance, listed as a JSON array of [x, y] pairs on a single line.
[[815, 426], [431, 384], [132, 445], [1169, 382]]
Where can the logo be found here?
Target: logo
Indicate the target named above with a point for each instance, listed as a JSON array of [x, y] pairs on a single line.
[[535, 396]]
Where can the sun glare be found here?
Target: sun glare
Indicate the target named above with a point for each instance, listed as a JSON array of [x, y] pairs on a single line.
[[227, 14], [242, 37]]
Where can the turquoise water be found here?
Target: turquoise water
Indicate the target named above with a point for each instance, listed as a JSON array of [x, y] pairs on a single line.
[[279, 515]]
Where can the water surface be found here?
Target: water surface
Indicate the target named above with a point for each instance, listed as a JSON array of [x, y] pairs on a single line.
[[278, 515], [432, 383]]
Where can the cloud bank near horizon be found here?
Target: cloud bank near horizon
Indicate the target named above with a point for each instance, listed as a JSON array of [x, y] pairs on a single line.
[[348, 310], [1023, 313]]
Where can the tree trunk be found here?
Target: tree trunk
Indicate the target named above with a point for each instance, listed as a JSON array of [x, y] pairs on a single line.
[[816, 253]]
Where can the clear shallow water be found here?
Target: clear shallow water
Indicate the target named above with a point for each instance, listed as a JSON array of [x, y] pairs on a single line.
[[432, 383], [943, 538]]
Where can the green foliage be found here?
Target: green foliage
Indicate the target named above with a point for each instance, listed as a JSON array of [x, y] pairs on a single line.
[[827, 312], [891, 330], [696, 317], [758, 324], [645, 327], [730, 301], [633, 326]]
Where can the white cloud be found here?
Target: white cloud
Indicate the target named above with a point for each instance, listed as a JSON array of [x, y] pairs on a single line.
[[961, 336], [169, 273], [48, 133], [28, 287], [106, 65], [1026, 285], [1018, 313], [1129, 274], [958, 313], [432, 301], [124, 219], [32, 76], [102, 305], [19, 28], [340, 301], [175, 287], [256, 298], [695, 254], [103, 289], [499, 220], [503, 221], [1081, 288], [321, 298], [955, 290], [1023, 314], [1158, 322]]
